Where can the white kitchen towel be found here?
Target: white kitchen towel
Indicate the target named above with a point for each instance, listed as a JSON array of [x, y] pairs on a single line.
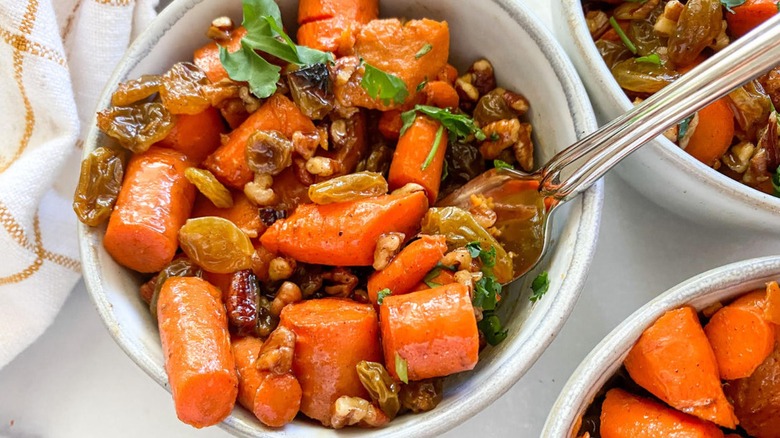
[[55, 57]]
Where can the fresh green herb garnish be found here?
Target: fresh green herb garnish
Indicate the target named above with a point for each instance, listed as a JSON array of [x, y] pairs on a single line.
[[500, 164], [622, 35], [495, 137], [445, 171], [380, 296], [540, 286], [401, 368], [486, 292], [652, 58], [683, 127], [421, 85], [474, 248], [263, 23], [386, 87], [488, 257], [428, 280], [732, 3], [457, 124], [434, 148], [423, 51], [491, 327]]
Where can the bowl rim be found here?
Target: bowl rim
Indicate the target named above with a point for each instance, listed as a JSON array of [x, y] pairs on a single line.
[[517, 361], [671, 153], [721, 283]]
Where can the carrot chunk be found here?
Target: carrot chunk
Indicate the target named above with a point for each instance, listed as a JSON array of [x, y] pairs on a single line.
[[344, 233], [713, 134], [434, 331], [772, 306], [196, 347], [196, 135], [390, 124], [361, 11], [243, 213], [624, 415], [207, 57], [332, 336], [740, 336], [674, 361], [749, 15], [155, 201], [336, 35], [278, 113], [408, 267], [412, 160]]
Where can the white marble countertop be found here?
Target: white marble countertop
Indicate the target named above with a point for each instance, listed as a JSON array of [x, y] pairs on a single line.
[[76, 382]]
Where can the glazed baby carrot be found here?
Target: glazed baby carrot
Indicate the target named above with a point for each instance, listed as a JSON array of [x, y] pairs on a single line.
[[624, 415], [408, 267], [196, 135], [444, 276], [196, 346], [674, 361], [434, 331], [155, 201], [713, 134], [414, 51], [344, 233], [390, 124], [419, 157], [749, 15], [440, 94], [332, 336], [278, 113], [243, 213], [361, 11], [274, 398], [207, 57], [331, 25], [772, 303], [740, 336]]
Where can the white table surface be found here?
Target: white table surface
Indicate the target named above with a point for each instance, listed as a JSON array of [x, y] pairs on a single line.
[[76, 382]]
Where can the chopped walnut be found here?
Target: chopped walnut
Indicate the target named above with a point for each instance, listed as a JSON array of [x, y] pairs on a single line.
[[467, 92], [408, 189], [524, 148], [516, 101], [459, 258], [482, 210], [305, 144], [387, 246], [251, 103], [260, 192], [738, 157], [468, 278], [635, 11], [666, 24], [597, 22], [348, 411], [671, 133], [344, 282], [276, 354], [499, 136], [281, 268], [220, 29], [683, 142], [757, 171], [288, 293], [483, 77], [321, 166]]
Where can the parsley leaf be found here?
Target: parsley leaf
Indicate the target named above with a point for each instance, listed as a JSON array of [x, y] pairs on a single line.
[[434, 148], [428, 280], [386, 87], [459, 125], [731, 3], [683, 128], [263, 22], [246, 65], [474, 248], [623, 37], [495, 137], [499, 164], [652, 58], [540, 286], [401, 368], [380, 296], [422, 52], [421, 85], [490, 326], [486, 292], [488, 257]]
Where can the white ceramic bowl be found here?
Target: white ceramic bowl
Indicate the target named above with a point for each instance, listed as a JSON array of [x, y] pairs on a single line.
[[661, 170], [526, 59], [720, 284]]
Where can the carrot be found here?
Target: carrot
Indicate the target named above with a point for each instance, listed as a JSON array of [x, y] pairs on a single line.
[[624, 415], [749, 15], [443, 277], [278, 113], [757, 398], [220, 281], [335, 35], [448, 74], [207, 57], [398, 49], [274, 399], [772, 304], [412, 160], [409, 267], [196, 135], [440, 94], [196, 347], [740, 337], [612, 35], [674, 361], [243, 213], [713, 134], [332, 336], [153, 204], [344, 233], [290, 190], [390, 124], [361, 11], [434, 331]]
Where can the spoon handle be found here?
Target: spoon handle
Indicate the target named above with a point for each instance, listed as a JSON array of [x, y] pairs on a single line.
[[577, 167]]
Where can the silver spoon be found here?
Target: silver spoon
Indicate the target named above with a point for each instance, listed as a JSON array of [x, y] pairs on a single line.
[[577, 167]]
